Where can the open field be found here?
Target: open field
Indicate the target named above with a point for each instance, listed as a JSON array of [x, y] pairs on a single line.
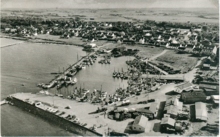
[[178, 61], [126, 15]]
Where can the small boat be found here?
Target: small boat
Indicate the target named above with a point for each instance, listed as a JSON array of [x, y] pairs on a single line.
[[125, 76], [118, 75], [122, 75], [83, 67], [60, 85], [69, 74], [114, 74]]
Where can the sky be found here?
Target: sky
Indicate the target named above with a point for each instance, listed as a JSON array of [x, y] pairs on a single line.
[[34, 4]]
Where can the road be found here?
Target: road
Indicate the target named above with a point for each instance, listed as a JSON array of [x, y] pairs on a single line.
[[153, 58], [158, 55]]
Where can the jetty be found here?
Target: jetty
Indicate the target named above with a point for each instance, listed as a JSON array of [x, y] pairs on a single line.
[[69, 68]]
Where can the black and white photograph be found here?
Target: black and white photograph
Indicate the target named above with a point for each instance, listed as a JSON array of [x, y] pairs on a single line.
[[109, 68]]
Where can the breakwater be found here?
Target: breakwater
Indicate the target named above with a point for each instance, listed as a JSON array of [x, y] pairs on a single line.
[[59, 121]]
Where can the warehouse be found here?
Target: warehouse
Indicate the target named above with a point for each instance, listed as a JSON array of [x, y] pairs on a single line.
[[201, 111]]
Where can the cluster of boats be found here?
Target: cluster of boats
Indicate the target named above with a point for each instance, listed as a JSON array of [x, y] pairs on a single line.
[[122, 75], [89, 61], [105, 61], [65, 79], [82, 95]]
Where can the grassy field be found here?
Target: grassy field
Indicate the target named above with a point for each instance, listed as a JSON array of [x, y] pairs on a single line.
[[179, 61], [144, 51]]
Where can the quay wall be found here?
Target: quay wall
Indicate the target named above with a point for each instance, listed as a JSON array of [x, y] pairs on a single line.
[[62, 122]]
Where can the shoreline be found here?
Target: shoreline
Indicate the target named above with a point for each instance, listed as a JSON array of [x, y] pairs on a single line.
[[43, 41]]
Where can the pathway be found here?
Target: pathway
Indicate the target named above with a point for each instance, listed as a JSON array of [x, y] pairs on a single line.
[[153, 58]]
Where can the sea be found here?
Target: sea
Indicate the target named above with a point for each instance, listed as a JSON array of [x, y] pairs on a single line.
[[24, 65]]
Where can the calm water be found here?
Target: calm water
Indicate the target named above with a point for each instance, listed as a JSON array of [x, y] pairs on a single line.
[[32, 63]]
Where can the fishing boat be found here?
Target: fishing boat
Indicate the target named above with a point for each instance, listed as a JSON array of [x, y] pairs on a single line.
[[60, 85], [125, 76], [78, 67], [71, 82], [122, 75], [114, 74], [69, 74], [91, 63], [118, 75], [83, 67]]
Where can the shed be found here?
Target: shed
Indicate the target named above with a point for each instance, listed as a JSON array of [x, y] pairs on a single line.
[[167, 122], [139, 124], [201, 111]]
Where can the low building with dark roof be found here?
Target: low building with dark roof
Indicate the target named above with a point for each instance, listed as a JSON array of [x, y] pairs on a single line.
[[192, 97]]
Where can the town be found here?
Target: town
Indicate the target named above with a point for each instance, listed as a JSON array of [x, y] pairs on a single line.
[[172, 92]]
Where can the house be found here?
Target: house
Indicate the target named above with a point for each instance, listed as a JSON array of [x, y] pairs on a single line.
[[173, 106], [205, 66], [7, 29], [91, 45], [141, 41], [173, 100], [139, 124], [167, 123], [193, 96], [186, 86], [154, 107], [173, 111], [215, 50], [13, 30], [201, 111]]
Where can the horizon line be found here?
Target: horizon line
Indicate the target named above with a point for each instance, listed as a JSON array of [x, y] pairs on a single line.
[[2, 8]]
